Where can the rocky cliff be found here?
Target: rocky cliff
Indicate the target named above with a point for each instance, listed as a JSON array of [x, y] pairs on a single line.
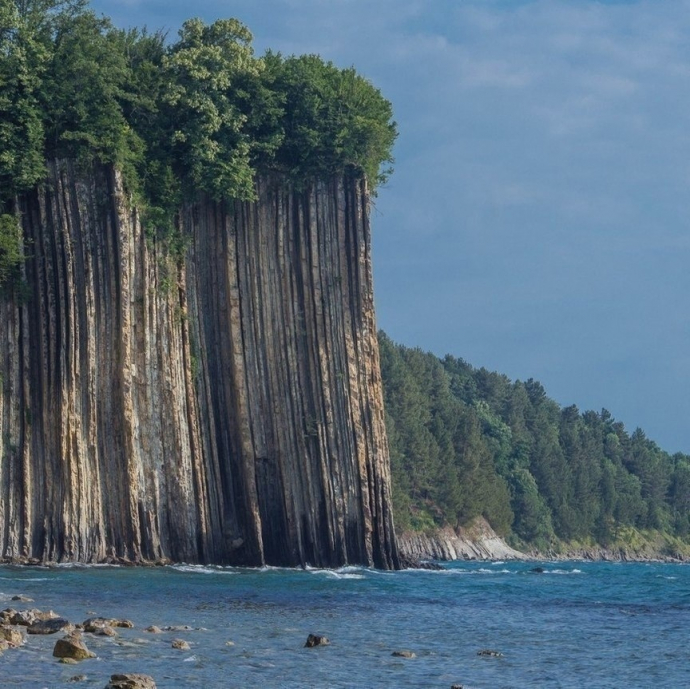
[[477, 541], [221, 407]]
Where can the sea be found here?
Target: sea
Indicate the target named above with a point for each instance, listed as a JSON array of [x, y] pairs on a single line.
[[546, 624]]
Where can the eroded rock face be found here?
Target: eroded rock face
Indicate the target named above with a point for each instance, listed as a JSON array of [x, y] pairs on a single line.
[[224, 406], [476, 542]]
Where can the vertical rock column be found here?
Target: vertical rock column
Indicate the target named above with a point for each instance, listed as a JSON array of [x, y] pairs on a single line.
[[290, 380], [224, 406], [101, 453]]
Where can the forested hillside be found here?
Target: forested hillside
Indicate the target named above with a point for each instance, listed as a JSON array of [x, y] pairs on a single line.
[[466, 442]]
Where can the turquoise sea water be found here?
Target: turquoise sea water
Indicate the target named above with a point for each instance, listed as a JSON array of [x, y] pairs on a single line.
[[575, 625]]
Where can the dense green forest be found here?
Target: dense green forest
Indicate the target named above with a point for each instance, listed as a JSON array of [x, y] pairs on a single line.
[[202, 114], [466, 442]]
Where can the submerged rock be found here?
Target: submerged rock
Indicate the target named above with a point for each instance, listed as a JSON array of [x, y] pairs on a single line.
[[72, 647], [316, 640], [131, 681], [180, 644], [153, 629], [488, 653], [23, 599], [404, 654]]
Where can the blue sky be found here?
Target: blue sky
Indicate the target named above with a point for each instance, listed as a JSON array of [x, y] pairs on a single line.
[[537, 220]]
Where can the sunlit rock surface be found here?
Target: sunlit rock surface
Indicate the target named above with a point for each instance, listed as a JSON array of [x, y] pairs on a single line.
[[222, 407]]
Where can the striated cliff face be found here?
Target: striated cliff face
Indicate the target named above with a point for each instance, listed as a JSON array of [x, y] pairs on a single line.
[[224, 409], [477, 541]]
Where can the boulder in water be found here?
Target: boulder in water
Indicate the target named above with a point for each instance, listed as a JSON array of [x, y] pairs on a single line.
[[72, 647], [131, 681], [13, 637], [488, 653], [404, 654], [93, 624], [49, 626], [180, 644], [316, 640]]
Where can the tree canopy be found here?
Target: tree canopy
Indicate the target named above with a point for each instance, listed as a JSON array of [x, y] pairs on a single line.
[[199, 114]]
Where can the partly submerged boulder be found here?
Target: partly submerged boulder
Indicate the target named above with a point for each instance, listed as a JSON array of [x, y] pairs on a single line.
[[131, 681], [404, 654], [24, 618], [13, 637], [93, 624], [50, 626], [316, 640], [72, 647]]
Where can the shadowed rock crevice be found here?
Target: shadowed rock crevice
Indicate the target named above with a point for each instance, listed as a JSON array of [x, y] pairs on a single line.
[[222, 407]]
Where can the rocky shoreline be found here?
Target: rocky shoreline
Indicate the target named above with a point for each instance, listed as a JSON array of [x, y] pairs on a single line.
[[597, 554], [74, 640], [479, 541]]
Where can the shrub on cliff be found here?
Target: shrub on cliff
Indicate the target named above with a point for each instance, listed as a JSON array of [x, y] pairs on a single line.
[[11, 254], [200, 114]]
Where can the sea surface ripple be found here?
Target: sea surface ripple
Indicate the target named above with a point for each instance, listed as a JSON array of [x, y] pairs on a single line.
[[574, 624]]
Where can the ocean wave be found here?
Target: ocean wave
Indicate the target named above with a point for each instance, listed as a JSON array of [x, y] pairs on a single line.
[[202, 569], [342, 573]]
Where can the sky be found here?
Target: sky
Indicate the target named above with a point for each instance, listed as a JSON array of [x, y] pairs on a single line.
[[536, 223]]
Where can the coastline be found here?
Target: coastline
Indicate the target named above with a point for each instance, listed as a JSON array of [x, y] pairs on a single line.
[[479, 541], [476, 541]]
